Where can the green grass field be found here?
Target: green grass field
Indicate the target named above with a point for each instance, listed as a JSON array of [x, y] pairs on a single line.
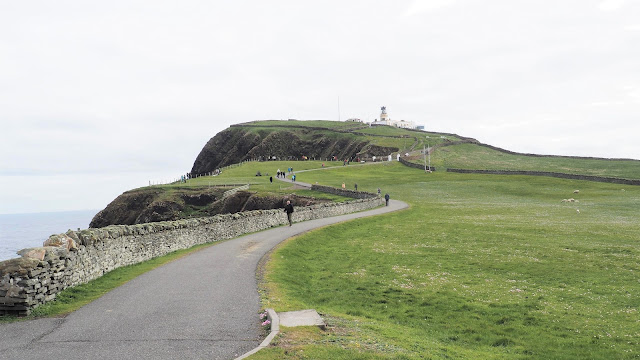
[[472, 156], [480, 267], [236, 176]]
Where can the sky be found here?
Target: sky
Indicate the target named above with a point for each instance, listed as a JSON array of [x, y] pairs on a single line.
[[97, 98]]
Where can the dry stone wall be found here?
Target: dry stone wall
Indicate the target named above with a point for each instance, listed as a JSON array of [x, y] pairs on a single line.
[[405, 162], [610, 180], [78, 257], [344, 192]]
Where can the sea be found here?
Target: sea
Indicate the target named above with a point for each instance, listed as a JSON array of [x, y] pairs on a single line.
[[21, 231]]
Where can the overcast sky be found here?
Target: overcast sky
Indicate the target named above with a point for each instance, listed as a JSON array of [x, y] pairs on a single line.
[[97, 98]]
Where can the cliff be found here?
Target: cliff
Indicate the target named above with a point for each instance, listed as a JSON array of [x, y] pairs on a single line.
[[256, 141], [146, 205]]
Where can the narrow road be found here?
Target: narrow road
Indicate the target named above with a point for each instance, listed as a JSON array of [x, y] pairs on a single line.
[[203, 306]]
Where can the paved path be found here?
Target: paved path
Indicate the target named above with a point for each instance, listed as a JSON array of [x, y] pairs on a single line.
[[203, 306]]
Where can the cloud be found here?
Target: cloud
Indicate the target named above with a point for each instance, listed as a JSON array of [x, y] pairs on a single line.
[[96, 88], [611, 5], [421, 6]]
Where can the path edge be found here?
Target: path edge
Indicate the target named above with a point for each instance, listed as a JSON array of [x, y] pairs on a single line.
[[275, 330]]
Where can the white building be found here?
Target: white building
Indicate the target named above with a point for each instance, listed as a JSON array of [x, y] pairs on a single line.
[[386, 120]]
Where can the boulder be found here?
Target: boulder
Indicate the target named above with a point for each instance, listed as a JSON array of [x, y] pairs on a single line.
[[62, 241], [20, 266], [33, 253]]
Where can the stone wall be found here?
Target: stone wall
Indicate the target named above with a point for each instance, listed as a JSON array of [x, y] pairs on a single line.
[[344, 192], [408, 163], [551, 174], [78, 257], [228, 193]]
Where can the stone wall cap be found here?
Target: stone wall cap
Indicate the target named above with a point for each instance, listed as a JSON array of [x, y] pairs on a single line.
[[18, 266]]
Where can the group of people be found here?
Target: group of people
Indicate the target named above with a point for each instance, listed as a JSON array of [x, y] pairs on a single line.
[[282, 174], [288, 208]]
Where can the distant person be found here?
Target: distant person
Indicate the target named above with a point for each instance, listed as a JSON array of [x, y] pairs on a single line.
[[356, 186], [386, 199], [379, 191], [271, 179], [289, 210], [343, 186]]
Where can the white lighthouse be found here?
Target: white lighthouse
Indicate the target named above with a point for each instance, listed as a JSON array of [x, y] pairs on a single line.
[[383, 115], [384, 118]]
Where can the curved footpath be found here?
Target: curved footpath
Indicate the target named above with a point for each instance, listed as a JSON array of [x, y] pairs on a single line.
[[202, 306]]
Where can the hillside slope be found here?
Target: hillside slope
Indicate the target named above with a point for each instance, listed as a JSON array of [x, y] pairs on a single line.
[[312, 139], [145, 205]]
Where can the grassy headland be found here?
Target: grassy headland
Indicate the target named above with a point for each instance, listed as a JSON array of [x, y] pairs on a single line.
[[480, 267], [477, 157]]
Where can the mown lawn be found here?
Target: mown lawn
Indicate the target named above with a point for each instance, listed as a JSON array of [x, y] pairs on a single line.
[[480, 267]]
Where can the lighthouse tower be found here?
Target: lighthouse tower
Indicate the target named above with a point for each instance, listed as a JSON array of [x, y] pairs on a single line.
[[383, 115]]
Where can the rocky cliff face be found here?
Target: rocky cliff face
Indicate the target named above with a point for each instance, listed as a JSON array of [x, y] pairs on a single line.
[[227, 147], [237, 144], [156, 204]]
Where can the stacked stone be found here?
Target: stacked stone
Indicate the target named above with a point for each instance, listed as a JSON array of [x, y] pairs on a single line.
[[78, 257], [343, 192], [37, 276]]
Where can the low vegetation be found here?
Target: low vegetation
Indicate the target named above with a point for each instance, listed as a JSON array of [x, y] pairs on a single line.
[[473, 156], [480, 267]]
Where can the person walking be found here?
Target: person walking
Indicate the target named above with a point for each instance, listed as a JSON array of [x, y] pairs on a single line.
[[289, 210], [386, 198], [343, 186], [356, 186], [271, 179]]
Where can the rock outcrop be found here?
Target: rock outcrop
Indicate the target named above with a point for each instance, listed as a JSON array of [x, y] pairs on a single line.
[[147, 205], [238, 143]]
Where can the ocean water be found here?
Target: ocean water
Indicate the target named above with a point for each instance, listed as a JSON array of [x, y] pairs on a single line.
[[21, 231]]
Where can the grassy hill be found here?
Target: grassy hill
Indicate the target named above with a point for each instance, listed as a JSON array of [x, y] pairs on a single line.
[[320, 139], [480, 267], [480, 157], [286, 140]]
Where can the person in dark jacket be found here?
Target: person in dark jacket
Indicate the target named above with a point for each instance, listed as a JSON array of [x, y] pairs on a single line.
[[386, 198], [289, 210]]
